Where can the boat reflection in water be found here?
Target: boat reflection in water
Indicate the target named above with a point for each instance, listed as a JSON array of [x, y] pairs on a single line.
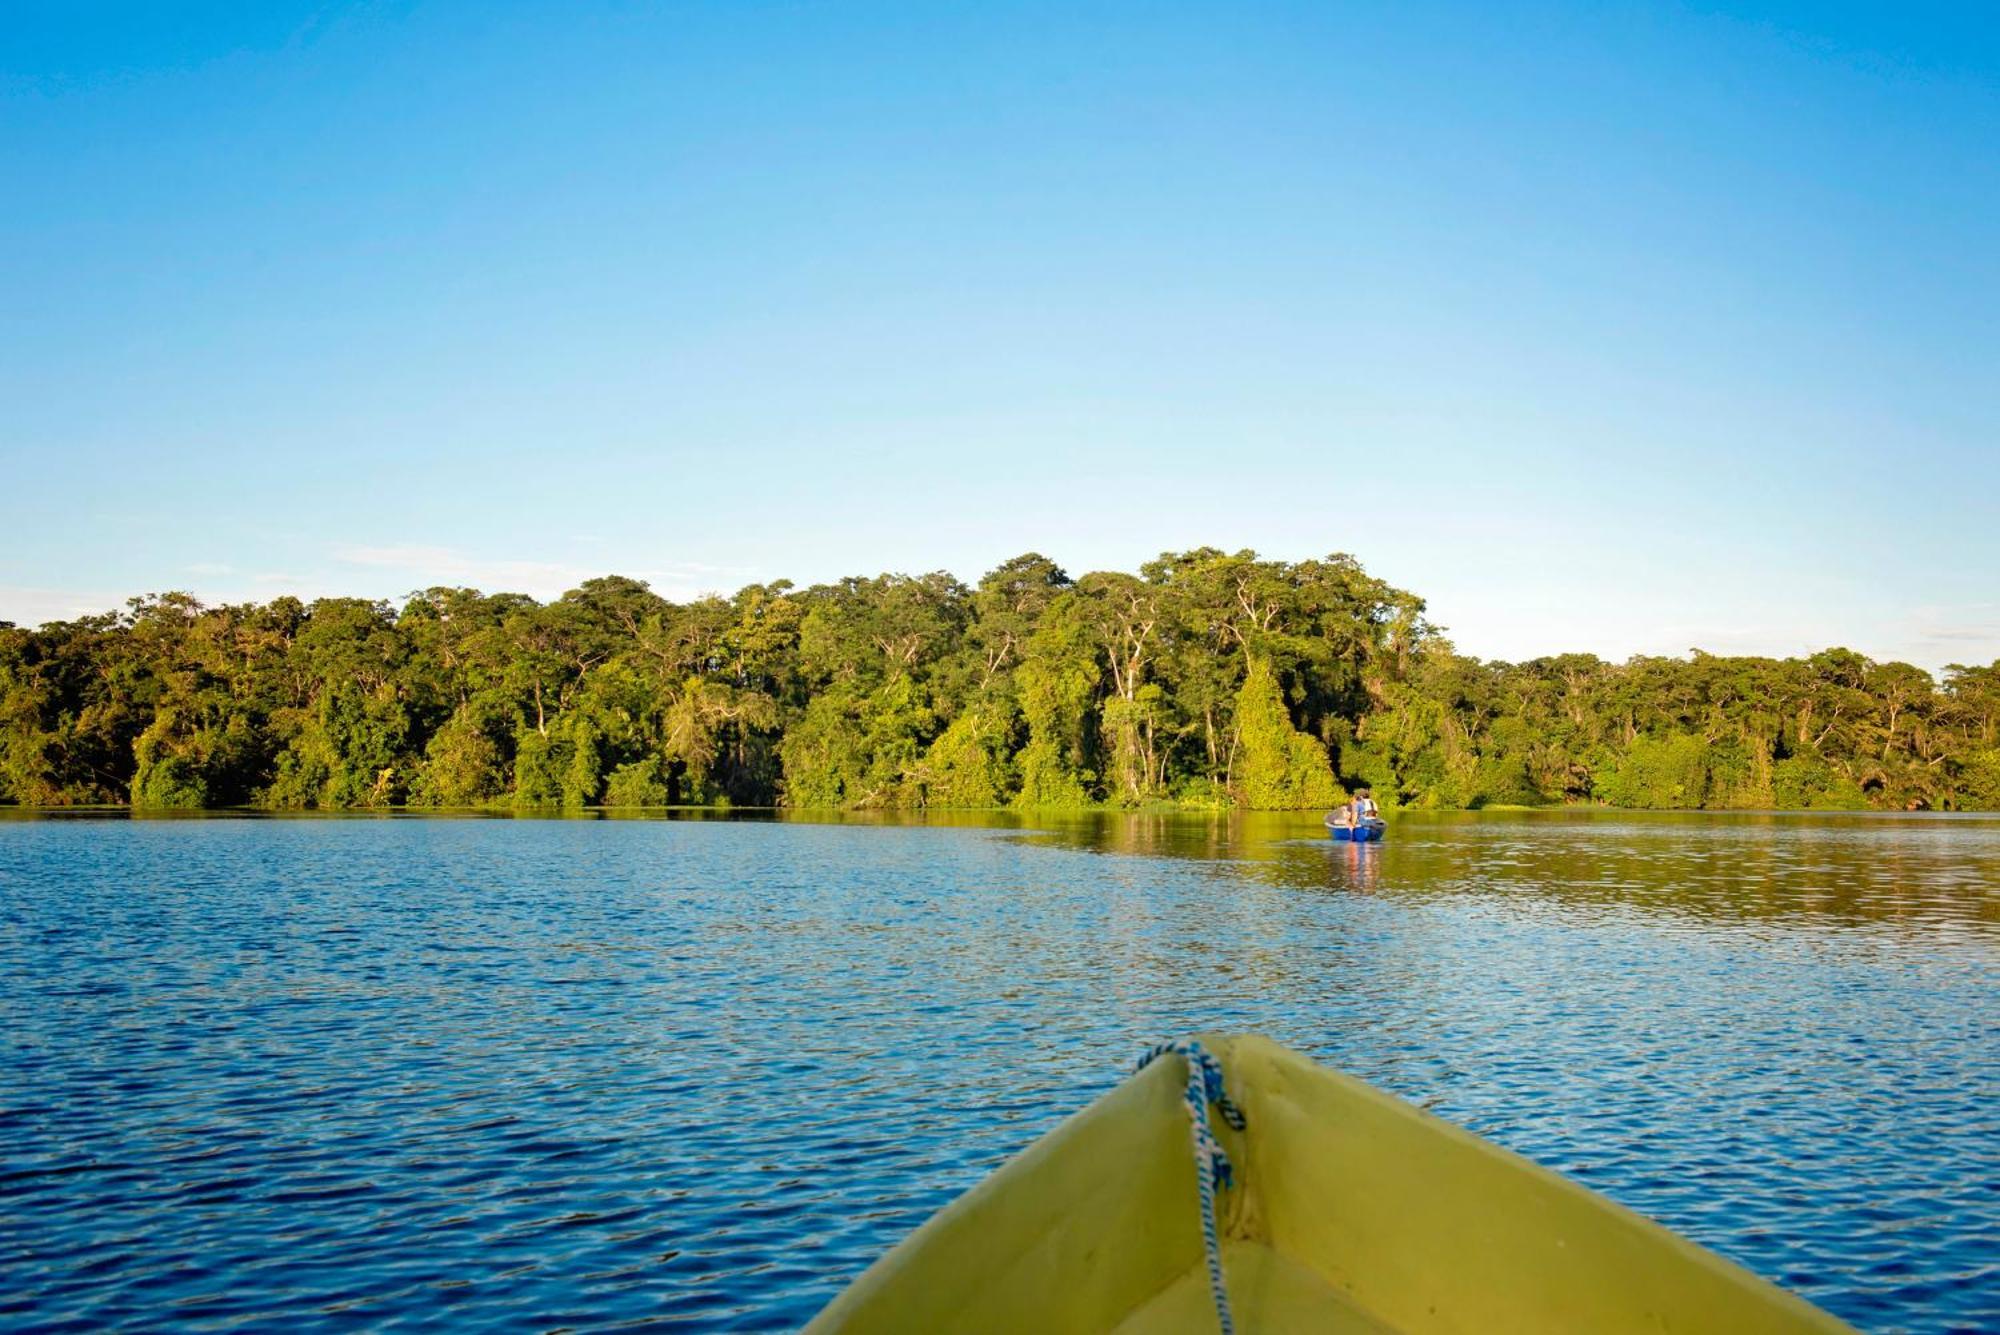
[[1357, 866]]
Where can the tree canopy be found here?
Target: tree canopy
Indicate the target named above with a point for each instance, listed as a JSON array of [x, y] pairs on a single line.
[[1207, 678]]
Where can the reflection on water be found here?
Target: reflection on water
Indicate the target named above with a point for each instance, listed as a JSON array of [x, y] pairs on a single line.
[[1930, 872], [544, 1073]]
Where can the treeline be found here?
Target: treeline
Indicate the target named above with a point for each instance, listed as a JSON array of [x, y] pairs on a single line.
[[1206, 679]]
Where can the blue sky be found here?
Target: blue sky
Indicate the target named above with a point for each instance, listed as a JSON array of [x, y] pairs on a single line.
[[1621, 328]]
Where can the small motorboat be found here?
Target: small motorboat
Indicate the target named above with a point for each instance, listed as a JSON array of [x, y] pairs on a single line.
[[1312, 1202], [1361, 832]]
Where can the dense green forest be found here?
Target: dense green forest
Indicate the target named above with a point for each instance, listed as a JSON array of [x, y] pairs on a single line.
[[1207, 679]]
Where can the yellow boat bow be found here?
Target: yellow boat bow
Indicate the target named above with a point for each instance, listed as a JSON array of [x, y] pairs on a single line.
[[1350, 1211]]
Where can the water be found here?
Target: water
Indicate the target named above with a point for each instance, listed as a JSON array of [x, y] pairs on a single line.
[[475, 1073]]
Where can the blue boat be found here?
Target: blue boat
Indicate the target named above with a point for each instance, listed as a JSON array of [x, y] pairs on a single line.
[[1365, 832]]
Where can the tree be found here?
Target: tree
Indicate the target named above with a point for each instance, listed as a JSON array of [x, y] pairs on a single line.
[[1207, 676], [1006, 609], [1125, 613], [1058, 683], [1278, 768]]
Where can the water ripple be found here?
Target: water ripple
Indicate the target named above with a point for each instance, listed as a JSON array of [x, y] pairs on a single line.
[[339, 1073]]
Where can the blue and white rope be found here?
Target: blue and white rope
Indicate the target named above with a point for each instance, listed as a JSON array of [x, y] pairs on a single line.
[[1211, 1165]]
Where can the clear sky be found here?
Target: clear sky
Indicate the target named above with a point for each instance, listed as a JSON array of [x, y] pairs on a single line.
[[1623, 328]]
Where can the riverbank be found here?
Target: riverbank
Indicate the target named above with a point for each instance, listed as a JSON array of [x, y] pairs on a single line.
[[1206, 679]]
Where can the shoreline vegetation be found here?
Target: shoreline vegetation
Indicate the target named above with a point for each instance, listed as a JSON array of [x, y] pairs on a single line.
[[1206, 681]]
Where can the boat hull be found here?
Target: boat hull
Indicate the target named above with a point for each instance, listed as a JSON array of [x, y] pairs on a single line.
[[1368, 832], [1352, 1211]]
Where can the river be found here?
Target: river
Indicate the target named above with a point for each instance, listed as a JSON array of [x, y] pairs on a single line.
[[506, 1073]]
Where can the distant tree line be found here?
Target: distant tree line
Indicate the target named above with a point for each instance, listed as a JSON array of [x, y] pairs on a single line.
[[1206, 679]]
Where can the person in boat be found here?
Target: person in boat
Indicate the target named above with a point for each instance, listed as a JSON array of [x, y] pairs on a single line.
[[1362, 809]]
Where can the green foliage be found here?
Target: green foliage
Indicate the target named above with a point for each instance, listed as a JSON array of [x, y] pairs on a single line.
[[1048, 781], [349, 751], [824, 760], [1809, 783], [188, 765], [855, 750], [169, 781], [638, 783], [1206, 677], [967, 765], [1979, 781], [1662, 773], [1739, 775], [538, 766], [583, 777], [1198, 792], [1502, 780], [1057, 683], [1278, 768], [463, 765]]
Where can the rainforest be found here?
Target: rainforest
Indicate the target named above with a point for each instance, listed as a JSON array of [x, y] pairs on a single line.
[[1207, 679]]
